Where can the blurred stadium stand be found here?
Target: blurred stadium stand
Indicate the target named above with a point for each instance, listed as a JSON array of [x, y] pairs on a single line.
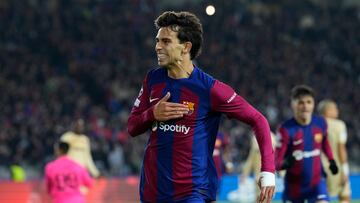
[[86, 58]]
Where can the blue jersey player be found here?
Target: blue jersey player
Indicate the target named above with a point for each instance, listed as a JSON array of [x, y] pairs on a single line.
[[182, 106], [300, 140]]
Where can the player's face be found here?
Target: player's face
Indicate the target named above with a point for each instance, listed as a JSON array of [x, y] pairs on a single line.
[[79, 127], [303, 108], [168, 47], [331, 110]]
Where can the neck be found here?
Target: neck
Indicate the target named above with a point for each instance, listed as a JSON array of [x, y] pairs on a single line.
[[182, 69], [303, 121]]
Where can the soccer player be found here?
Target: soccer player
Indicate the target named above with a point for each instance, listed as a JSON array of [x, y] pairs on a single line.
[[299, 144], [339, 184], [182, 106], [80, 147], [64, 177]]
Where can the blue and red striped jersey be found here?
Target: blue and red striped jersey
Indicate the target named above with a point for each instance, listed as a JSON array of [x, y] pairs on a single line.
[[178, 160], [304, 143]]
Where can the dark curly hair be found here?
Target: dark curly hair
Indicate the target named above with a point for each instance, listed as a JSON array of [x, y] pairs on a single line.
[[188, 27], [301, 90]]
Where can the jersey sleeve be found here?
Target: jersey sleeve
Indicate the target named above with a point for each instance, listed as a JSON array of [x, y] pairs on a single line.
[[225, 100], [282, 142], [66, 137], [326, 145], [141, 116]]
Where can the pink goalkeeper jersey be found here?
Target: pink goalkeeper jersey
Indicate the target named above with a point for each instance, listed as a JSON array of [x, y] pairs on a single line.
[[63, 179]]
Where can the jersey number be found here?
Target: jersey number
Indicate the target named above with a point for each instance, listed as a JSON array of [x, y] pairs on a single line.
[[67, 180]]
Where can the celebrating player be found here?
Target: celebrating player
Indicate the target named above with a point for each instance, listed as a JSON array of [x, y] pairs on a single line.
[[182, 105]]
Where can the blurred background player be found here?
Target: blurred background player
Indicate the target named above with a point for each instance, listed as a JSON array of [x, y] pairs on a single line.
[[64, 177], [299, 144], [221, 155], [339, 184], [80, 150], [253, 163]]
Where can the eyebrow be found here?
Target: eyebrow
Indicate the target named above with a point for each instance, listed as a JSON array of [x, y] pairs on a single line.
[[162, 39]]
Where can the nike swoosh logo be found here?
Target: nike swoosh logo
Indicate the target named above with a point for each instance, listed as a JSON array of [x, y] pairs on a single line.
[[154, 99]]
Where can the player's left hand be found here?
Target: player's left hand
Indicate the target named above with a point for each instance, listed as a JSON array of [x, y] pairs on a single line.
[[267, 187], [333, 167]]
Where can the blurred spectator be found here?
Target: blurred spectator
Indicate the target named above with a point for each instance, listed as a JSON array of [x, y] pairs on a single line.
[[17, 172]]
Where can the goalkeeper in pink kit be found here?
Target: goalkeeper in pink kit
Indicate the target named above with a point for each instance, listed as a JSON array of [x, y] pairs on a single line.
[[64, 177]]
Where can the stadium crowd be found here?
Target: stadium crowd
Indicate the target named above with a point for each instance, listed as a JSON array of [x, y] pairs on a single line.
[[61, 60]]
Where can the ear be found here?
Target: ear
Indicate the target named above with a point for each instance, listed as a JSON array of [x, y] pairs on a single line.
[[187, 47]]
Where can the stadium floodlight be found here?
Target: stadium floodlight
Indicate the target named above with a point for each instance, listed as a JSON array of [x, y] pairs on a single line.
[[210, 10]]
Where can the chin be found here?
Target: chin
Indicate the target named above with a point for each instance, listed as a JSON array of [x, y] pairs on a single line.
[[162, 64], [306, 118]]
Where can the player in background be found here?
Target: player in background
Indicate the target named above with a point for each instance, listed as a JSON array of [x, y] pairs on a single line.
[[182, 106], [253, 162], [339, 184], [80, 150], [221, 155], [64, 177], [299, 144]]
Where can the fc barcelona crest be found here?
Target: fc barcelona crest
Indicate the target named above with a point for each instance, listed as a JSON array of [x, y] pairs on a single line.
[[190, 105], [318, 137]]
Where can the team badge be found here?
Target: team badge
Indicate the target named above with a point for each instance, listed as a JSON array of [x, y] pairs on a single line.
[[318, 137], [190, 105], [218, 143]]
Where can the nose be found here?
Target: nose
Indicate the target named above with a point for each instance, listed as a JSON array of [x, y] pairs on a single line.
[[157, 46]]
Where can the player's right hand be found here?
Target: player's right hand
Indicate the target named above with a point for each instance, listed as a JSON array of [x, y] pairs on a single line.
[[164, 110]]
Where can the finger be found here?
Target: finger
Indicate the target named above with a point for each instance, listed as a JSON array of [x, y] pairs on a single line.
[[173, 113], [262, 195], [166, 97], [172, 104], [269, 194], [181, 109], [174, 116]]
